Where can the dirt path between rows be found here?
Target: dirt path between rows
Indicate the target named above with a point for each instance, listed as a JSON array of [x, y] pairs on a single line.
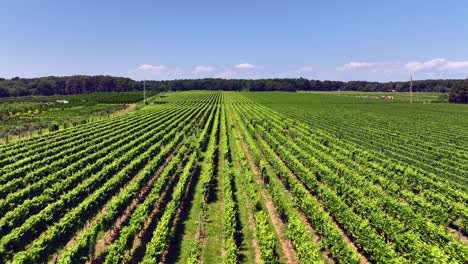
[[111, 235], [457, 235], [90, 223], [149, 223], [105, 242], [279, 226], [316, 238], [363, 259], [255, 246], [346, 238], [178, 217], [221, 184]]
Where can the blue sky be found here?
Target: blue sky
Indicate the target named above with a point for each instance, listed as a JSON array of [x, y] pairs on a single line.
[[336, 40]]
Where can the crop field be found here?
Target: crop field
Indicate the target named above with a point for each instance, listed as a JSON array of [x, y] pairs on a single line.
[[422, 97], [243, 177]]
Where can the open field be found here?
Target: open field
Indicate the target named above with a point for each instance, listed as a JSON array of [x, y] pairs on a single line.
[[418, 97], [243, 177]]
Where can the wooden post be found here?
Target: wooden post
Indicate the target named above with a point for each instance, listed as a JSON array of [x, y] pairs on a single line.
[[459, 233]]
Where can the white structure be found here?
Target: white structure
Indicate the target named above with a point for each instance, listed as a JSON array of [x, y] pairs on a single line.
[[62, 101]]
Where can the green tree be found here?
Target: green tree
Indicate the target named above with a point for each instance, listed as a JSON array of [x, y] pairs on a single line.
[[4, 92], [459, 93]]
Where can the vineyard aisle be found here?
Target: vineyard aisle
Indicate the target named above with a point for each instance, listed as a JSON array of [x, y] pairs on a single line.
[[236, 177]]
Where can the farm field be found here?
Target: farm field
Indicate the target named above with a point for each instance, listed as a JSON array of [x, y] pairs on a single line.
[[243, 177], [30, 116], [420, 97]]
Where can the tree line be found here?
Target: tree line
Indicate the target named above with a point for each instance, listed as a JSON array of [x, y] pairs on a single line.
[[80, 84]]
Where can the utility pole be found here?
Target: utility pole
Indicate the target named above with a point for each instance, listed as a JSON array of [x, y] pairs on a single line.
[[411, 90], [144, 92]]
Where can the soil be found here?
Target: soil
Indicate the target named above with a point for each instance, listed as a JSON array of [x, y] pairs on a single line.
[[458, 235], [278, 225], [343, 234], [255, 245], [111, 235], [326, 253]]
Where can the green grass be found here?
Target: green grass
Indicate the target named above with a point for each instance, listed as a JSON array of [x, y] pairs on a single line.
[[246, 250], [190, 225], [212, 250]]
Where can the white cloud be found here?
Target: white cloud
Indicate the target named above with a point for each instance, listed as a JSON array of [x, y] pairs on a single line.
[[304, 72], [437, 68], [246, 66], [202, 69], [457, 65], [226, 74], [354, 70], [426, 65], [307, 69], [147, 71], [439, 64], [356, 65], [151, 68]]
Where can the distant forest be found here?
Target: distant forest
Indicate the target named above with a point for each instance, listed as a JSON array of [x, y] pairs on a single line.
[[80, 84]]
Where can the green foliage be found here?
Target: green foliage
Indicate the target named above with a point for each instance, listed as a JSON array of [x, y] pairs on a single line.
[[459, 93], [91, 84], [32, 113], [54, 127], [314, 161], [78, 84], [357, 179]]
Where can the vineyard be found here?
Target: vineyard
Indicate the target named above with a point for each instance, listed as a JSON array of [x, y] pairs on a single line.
[[239, 177]]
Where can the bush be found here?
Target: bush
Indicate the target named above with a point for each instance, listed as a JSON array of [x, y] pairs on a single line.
[[54, 127]]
